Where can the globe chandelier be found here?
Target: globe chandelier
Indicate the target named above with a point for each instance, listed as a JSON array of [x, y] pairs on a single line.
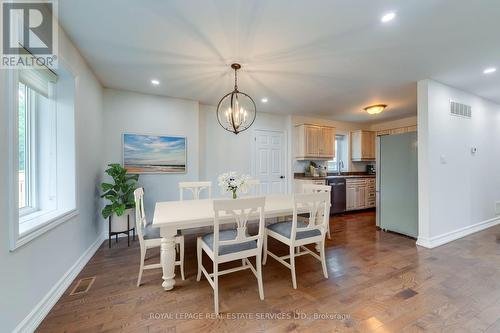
[[236, 111]]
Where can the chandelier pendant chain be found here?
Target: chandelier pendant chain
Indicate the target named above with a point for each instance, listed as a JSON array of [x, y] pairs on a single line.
[[235, 79]]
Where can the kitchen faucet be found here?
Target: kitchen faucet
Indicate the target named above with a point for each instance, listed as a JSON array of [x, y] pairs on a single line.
[[340, 166]]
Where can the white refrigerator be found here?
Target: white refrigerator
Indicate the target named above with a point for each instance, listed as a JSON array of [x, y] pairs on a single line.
[[397, 183]]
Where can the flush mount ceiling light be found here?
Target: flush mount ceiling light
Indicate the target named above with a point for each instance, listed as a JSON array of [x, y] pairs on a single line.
[[375, 109], [155, 82], [264, 100], [388, 17], [490, 70], [236, 111]]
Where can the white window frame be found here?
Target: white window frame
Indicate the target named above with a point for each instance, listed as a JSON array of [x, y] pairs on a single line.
[[345, 150], [30, 151], [41, 222]]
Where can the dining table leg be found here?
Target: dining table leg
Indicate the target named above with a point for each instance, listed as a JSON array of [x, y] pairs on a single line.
[[168, 257]]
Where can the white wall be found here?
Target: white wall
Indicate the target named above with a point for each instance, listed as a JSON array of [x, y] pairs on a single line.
[[128, 112], [29, 272], [224, 151], [211, 150], [458, 190]]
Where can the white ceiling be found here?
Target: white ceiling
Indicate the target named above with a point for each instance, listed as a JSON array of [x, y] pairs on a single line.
[[322, 57]]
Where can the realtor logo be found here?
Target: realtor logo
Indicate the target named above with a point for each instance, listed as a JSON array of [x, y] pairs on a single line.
[[29, 34]]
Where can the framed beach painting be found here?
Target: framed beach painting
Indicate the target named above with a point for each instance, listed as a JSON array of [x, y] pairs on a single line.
[[154, 154]]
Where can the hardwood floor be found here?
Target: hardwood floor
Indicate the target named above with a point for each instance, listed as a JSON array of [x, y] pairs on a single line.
[[378, 282]]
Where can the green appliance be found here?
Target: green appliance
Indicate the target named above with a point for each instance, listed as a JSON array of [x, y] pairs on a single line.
[[397, 184]]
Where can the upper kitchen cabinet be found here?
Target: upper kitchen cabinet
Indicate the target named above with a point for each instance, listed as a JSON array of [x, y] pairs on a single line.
[[363, 145], [314, 142]]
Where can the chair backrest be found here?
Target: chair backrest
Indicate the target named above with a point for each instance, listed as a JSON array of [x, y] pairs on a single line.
[[140, 216], [315, 188], [240, 211], [196, 188], [317, 205], [252, 187]]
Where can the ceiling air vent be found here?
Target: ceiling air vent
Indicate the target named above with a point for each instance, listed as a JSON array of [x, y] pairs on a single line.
[[460, 110]]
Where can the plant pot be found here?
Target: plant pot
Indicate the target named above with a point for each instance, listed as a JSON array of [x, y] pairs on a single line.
[[119, 223]]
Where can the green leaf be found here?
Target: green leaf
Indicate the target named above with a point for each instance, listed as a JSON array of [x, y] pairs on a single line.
[[106, 187], [108, 193], [120, 192], [124, 188], [112, 198], [133, 177], [120, 209], [107, 211]]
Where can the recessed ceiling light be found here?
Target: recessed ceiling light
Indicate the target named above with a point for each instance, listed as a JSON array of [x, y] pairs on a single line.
[[264, 100], [388, 17], [155, 82], [490, 70]]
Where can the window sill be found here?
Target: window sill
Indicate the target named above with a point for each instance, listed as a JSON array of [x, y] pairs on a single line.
[[33, 225]]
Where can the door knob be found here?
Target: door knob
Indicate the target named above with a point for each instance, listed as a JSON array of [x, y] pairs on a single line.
[[282, 177]]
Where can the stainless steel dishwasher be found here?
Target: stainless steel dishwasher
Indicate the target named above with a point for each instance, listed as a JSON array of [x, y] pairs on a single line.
[[338, 195]]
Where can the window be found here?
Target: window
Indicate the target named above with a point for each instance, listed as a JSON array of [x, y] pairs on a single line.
[[340, 155], [24, 179], [43, 112]]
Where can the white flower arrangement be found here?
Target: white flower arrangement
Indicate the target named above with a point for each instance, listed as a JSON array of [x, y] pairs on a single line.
[[233, 182]]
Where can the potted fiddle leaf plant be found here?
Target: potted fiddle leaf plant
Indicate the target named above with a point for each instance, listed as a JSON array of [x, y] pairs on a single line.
[[120, 197]]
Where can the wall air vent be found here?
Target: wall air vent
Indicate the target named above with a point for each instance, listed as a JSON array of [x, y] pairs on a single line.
[[460, 110]]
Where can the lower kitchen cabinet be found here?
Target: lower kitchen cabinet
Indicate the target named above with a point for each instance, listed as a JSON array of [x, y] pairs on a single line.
[[297, 183], [360, 193], [351, 198]]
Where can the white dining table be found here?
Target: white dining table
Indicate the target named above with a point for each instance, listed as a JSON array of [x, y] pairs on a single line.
[[172, 216]]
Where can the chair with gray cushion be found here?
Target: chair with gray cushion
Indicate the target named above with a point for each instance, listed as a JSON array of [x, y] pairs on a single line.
[[297, 234], [315, 188], [149, 237], [233, 244]]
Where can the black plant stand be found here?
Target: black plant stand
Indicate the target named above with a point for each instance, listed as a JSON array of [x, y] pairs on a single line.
[[127, 232]]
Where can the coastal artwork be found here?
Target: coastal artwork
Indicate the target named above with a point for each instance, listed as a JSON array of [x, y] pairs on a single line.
[[154, 154]]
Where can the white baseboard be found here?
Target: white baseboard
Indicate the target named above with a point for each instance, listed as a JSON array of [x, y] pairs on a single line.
[[35, 317], [456, 234]]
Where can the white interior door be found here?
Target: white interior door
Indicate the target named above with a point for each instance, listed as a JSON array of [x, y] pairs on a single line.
[[270, 156]]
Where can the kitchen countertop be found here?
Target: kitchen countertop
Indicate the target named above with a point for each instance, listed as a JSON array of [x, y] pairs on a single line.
[[333, 177]]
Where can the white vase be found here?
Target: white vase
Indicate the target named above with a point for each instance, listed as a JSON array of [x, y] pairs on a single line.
[[119, 223]]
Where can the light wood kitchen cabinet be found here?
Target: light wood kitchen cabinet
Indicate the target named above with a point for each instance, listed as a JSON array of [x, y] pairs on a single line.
[[327, 143], [314, 142], [360, 193], [384, 132], [370, 193], [351, 198], [399, 130], [363, 145], [412, 129]]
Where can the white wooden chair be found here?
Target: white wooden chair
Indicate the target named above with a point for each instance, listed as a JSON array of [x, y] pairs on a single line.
[[298, 234], [196, 188], [315, 188], [149, 237], [233, 244], [252, 187]]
